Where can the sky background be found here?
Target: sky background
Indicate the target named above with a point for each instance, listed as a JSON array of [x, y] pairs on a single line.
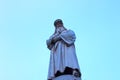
[[26, 24]]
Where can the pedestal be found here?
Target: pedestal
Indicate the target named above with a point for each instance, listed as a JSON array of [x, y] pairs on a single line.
[[67, 77]]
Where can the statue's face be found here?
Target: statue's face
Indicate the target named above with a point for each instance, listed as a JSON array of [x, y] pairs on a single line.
[[59, 25]]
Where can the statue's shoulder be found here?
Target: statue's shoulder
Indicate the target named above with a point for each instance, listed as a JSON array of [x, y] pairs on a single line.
[[69, 31], [52, 36]]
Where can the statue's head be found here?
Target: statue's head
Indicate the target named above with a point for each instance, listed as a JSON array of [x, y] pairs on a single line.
[[58, 23]]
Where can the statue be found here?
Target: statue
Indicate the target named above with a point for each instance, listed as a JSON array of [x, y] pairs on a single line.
[[63, 59]]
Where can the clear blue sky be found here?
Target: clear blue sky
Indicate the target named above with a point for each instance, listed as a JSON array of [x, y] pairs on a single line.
[[26, 24]]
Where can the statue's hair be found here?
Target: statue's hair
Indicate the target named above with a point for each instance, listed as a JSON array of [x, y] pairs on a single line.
[[57, 21]]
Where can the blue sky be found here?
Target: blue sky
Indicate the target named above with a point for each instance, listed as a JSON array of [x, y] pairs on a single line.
[[26, 24]]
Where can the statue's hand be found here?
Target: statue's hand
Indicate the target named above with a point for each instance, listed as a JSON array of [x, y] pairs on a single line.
[[55, 39]]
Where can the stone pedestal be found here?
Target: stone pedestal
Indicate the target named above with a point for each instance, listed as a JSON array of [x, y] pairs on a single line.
[[67, 77]]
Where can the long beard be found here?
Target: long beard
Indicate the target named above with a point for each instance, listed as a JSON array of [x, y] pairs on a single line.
[[59, 30]]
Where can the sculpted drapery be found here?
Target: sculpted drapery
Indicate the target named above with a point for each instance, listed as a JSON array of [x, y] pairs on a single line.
[[62, 52]]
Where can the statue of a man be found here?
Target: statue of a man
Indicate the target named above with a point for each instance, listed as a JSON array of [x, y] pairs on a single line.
[[63, 59]]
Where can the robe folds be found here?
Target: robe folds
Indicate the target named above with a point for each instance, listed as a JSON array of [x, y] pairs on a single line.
[[62, 53]]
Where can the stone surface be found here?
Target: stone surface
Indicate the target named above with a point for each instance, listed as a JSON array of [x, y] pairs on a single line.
[[66, 77]]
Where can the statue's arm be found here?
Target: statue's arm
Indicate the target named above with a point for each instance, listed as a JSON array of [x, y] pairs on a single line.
[[56, 38], [68, 37], [52, 40], [50, 43]]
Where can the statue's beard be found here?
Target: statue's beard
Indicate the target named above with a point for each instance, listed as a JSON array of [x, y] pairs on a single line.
[[59, 29]]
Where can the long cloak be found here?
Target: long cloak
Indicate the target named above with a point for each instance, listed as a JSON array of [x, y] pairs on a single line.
[[63, 53]]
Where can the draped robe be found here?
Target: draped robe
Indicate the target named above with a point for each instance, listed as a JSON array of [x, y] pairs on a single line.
[[62, 53]]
